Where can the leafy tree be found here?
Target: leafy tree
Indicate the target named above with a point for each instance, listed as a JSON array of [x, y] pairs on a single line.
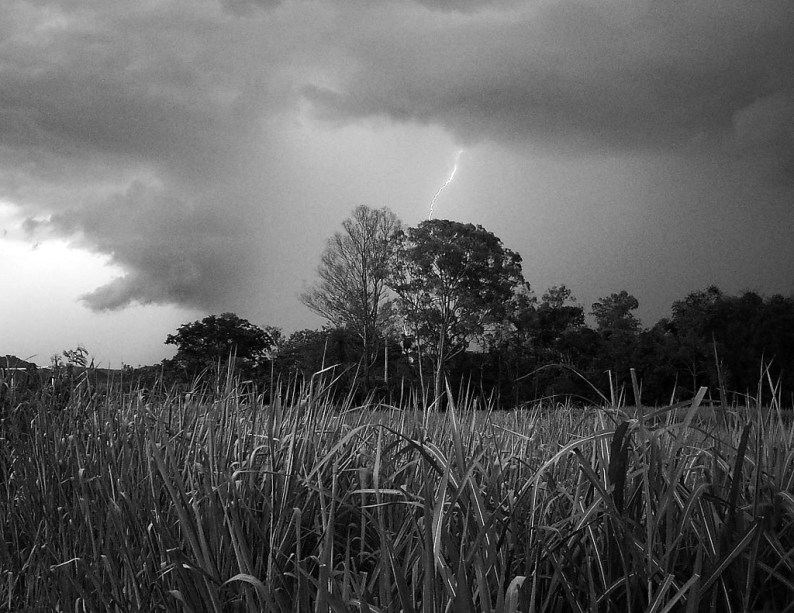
[[734, 336], [692, 325], [614, 313], [557, 315], [618, 329], [749, 333], [452, 280], [654, 358], [541, 333], [351, 291], [557, 296], [511, 345], [218, 337], [776, 328], [307, 351]]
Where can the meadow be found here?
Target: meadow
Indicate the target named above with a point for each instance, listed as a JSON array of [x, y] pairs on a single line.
[[211, 499]]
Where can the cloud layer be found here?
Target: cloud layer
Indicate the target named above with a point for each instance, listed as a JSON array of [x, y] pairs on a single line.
[[168, 134], [580, 74]]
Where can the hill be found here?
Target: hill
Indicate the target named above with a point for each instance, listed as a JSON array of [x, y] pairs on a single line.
[[12, 361]]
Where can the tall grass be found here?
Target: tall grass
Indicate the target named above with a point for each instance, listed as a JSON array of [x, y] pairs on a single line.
[[215, 501]]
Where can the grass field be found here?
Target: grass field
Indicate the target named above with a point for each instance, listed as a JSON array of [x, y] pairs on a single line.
[[218, 502]]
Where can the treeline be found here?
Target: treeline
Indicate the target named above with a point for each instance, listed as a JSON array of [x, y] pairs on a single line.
[[410, 309], [724, 342]]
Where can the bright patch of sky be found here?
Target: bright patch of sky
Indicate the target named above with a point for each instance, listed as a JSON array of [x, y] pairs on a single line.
[[41, 286]]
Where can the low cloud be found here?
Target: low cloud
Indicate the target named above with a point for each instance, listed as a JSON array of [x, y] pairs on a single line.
[[172, 251]]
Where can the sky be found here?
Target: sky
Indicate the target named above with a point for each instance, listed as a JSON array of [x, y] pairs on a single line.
[[163, 160]]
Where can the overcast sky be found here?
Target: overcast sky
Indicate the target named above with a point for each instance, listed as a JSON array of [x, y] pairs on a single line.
[[162, 160]]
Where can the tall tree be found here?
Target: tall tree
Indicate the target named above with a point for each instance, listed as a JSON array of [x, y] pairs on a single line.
[[619, 331], [351, 290], [692, 324], [557, 315], [453, 280], [614, 313]]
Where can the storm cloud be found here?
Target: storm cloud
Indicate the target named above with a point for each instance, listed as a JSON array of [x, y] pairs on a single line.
[[185, 139], [655, 75]]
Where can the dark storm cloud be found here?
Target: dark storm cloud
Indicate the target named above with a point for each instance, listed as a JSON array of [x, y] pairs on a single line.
[[127, 85], [159, 133], [133, 131], [464, 6], [580, 74], [172, 251], [244, 7]]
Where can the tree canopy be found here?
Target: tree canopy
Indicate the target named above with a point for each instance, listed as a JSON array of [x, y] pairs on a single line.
[[614, 313], [219, 337], [468, 314], [452, 280], [351, 290]]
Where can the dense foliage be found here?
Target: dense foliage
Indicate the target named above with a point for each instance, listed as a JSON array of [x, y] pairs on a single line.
[[467, 315], [220, 338], [452, 281], [545, 348]]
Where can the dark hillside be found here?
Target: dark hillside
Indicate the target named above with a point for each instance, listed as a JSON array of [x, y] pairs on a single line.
[[12, 361]]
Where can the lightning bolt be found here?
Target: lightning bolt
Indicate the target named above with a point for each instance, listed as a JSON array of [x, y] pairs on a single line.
[[446, 183]]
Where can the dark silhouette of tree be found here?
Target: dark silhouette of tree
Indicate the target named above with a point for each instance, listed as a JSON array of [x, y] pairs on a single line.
[[654, 357], [776, 328], [618, 328], [216, 338], [725, 341], [306, 352], [750, 333], [351, 291], [692, 324], [557, 315], [511, 346], [453, 280], [614, 313], [562, 339]]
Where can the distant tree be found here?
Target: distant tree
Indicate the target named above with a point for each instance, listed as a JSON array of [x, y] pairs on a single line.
[[511, 344], [618, 329], [751, 333], [692, 324], [725, 341], [557, 296], [306, 352], [216, 338], [351, 290], [776, 329], [614, 313], [654, 358], [557, 315], [453, 280], [557, 335]]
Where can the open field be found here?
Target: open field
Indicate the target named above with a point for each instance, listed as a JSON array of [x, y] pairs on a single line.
[[218, 502]]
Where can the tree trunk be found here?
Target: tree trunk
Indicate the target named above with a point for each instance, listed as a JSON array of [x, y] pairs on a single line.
[[439, 387], [386, 362]]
